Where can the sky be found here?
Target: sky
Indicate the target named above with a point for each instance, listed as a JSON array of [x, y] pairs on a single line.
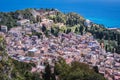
[[100, 11]]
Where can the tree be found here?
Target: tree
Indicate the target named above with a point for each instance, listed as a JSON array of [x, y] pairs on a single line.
[[118, 39], [47, 74], [38, 18], [106, 48], [76, 30], [53, 76], [52, 30], [81, 28], [86, 29], [68, 31], [95, 68], [118, 49], [46, 33], [43, 28], [76, 71]]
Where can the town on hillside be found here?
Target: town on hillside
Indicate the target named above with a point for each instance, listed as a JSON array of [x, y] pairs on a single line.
[[25, 46]]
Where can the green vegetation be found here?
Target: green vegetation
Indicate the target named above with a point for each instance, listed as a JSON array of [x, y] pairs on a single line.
[[75, 71], [72, 23], [75, 23], [110, 38], [10, 18], [14, 70]]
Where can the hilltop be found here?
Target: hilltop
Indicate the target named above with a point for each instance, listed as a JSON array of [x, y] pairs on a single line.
[[41, 38], [70, 22]]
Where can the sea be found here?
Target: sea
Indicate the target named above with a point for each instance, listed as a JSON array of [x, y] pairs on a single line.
[[106, 12]]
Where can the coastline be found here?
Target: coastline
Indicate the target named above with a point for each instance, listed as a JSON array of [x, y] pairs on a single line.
[[107, 22]]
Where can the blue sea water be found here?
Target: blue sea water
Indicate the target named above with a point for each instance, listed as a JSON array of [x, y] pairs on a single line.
[[105, 12]]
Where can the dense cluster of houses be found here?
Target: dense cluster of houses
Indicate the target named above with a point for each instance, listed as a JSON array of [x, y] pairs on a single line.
[[24, 46], [71, 47]]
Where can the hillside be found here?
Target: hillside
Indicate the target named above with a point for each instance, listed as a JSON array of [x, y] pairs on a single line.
[[11, 69], [70, 22], [14, 70], [36, 40]]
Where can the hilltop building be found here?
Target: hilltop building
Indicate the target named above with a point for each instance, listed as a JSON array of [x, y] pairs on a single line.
[[22, 22], [3, 28], [87, 23], [35, 13]]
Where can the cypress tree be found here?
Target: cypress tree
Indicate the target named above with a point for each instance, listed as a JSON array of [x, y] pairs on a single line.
[[47, 75], [43, 28]]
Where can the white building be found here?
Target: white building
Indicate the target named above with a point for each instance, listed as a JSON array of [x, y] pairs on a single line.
[[23, 22], [35, 13], [3, 28], [87, 23]]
